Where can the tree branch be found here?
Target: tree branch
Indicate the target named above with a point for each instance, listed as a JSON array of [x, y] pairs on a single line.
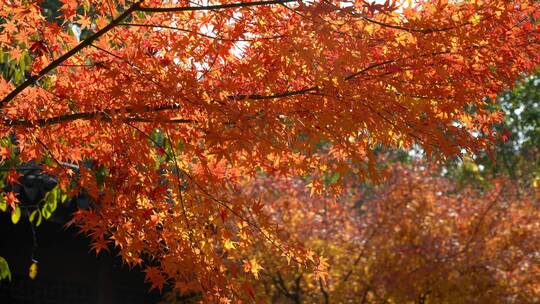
[[324, 292], [198, 33], [209, 7], [412, 29], [274, 96], [102, 115]]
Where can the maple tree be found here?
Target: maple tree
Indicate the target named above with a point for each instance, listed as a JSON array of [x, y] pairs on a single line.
[[417, 238], [167, 107]]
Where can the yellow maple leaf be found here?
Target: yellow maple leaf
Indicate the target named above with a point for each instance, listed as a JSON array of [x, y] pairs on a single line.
[[228, 244], [253, 267]]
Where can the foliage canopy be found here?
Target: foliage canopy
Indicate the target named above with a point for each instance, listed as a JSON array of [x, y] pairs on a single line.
[[168, 107]]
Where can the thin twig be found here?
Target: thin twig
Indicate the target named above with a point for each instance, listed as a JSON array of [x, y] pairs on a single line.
[[179, 184], [210, 7], [199, 33]]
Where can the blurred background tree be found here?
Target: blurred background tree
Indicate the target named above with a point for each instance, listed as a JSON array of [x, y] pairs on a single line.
[[517, 152]]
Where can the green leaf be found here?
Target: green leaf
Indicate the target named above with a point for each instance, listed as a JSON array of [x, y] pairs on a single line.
[[32, 216], [22, 63], [39, 219], [3, 204], [54, 196], [5, 273], [35, 217], [334, 178], [51, 202], [47, 211], [16, 215]]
